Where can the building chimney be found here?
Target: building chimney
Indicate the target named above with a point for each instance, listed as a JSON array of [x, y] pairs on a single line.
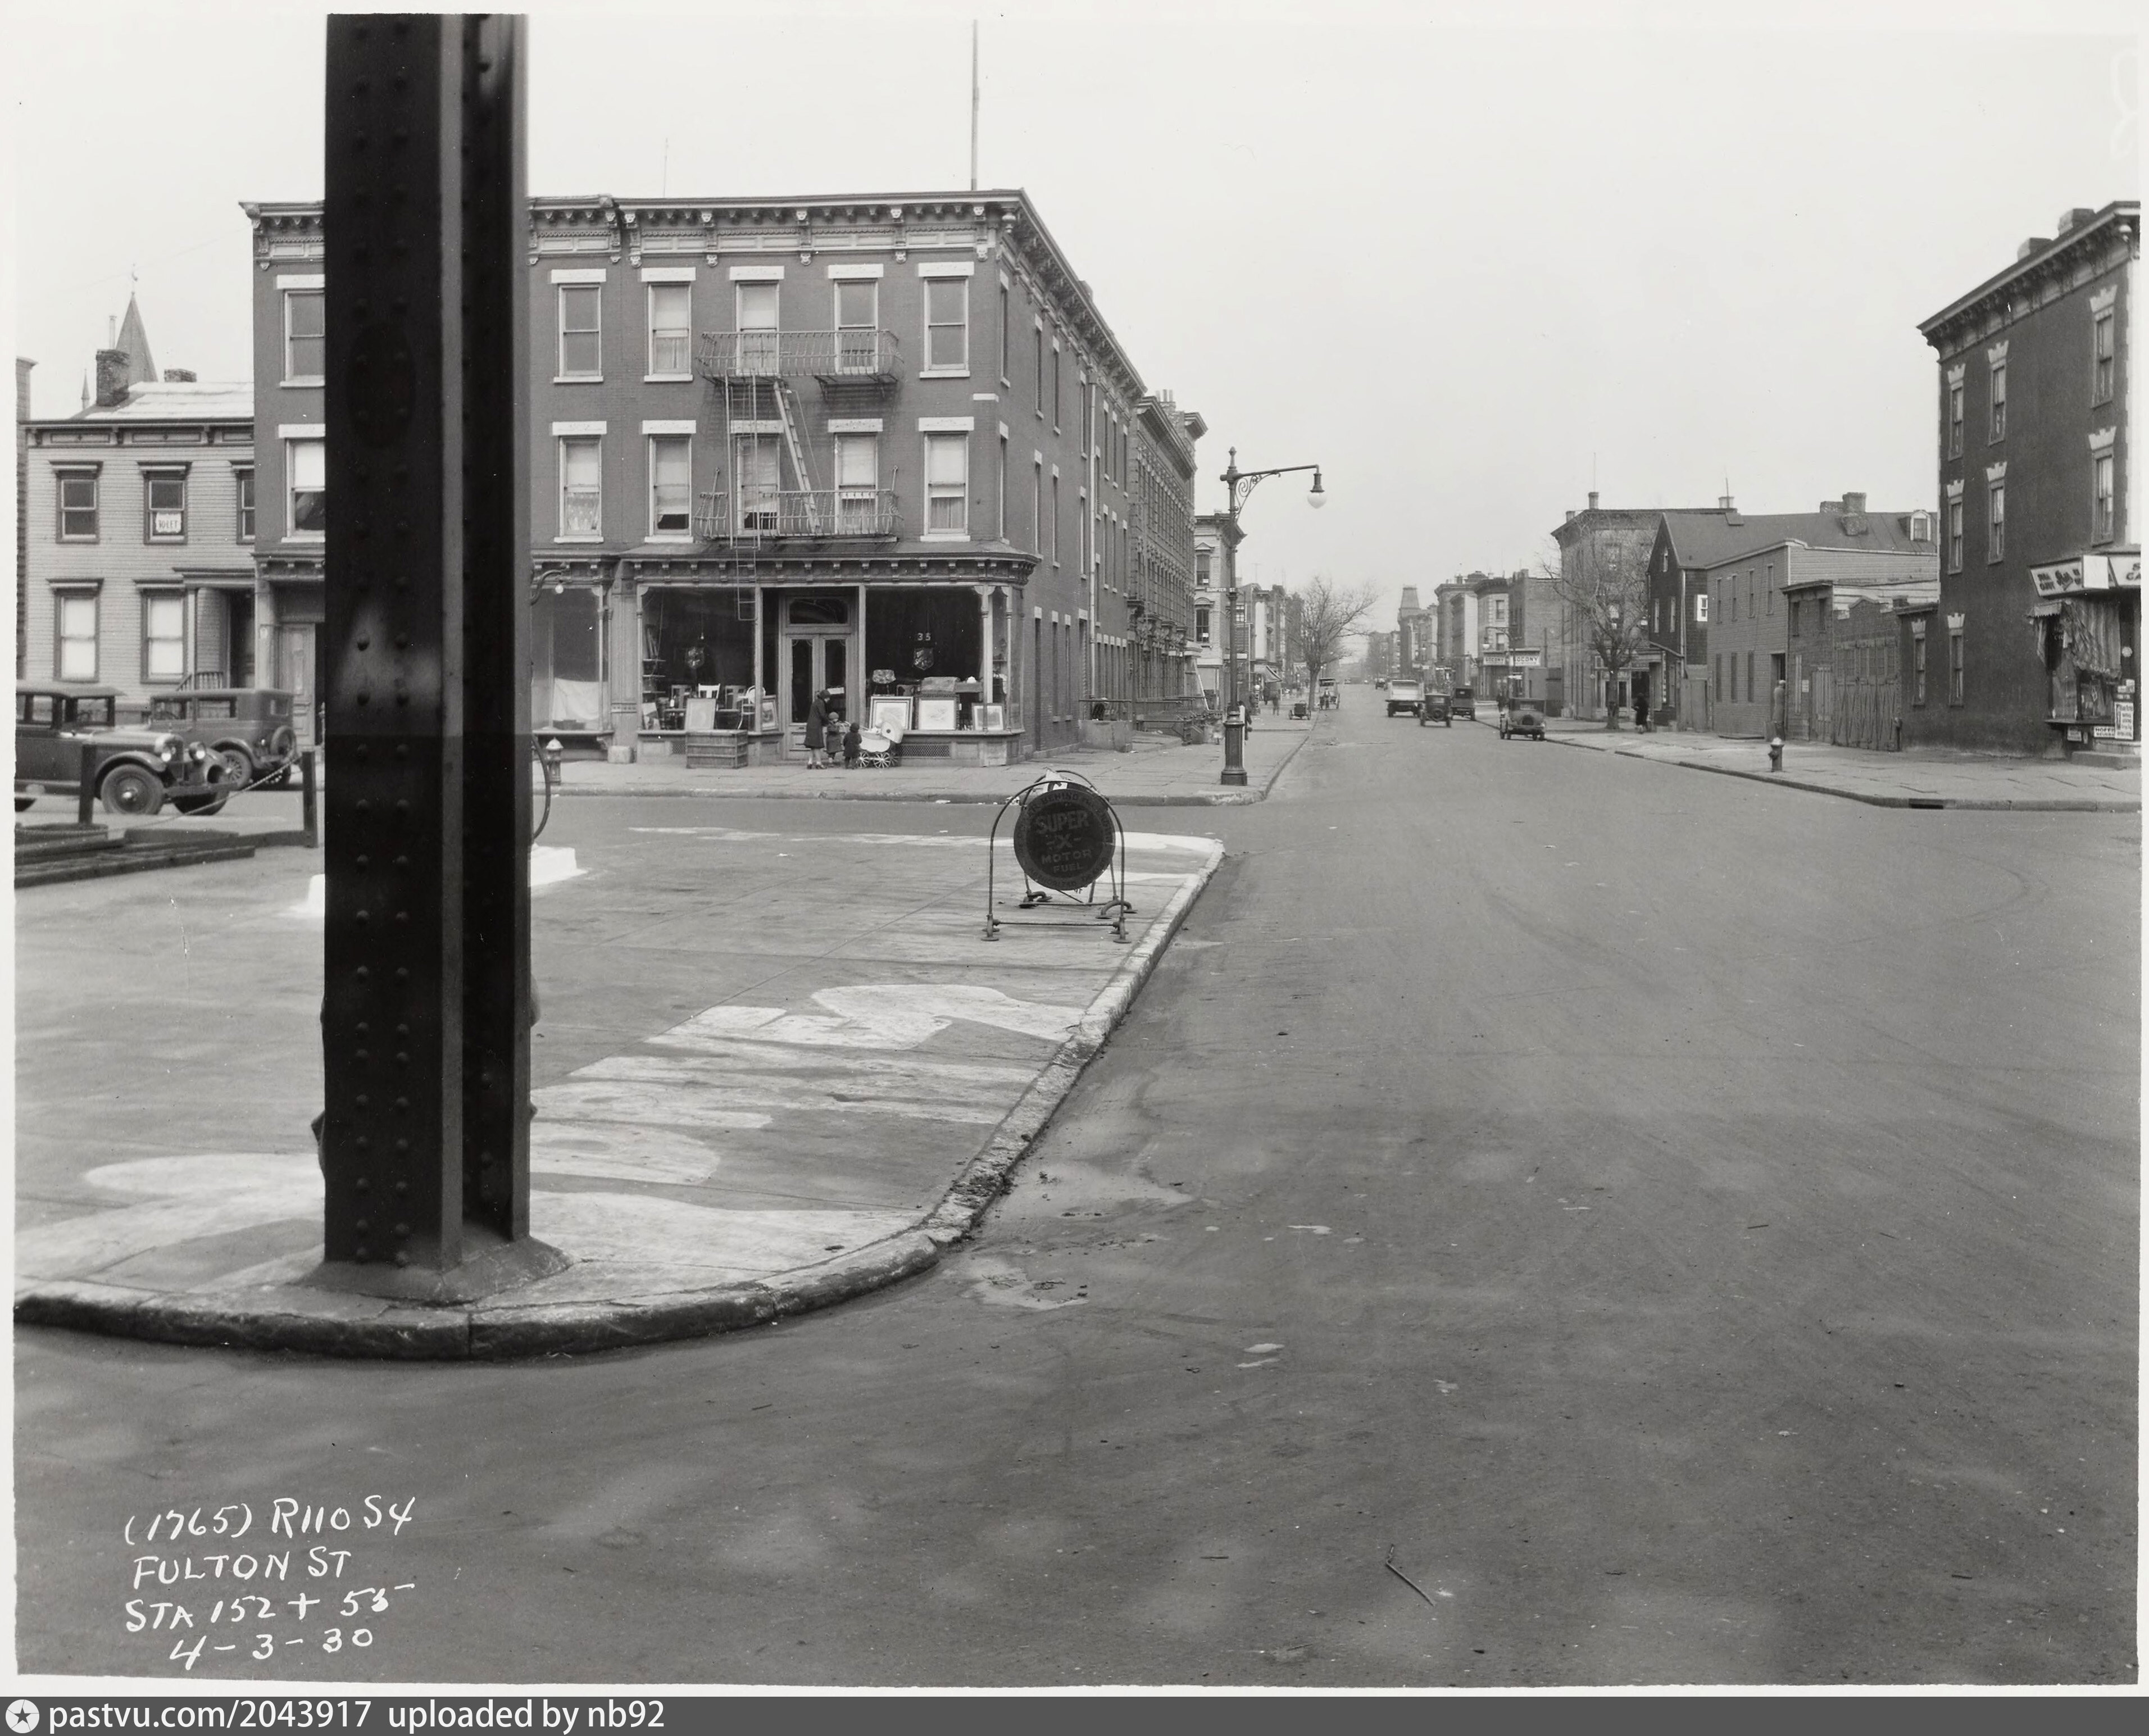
[[176, 376], [2032, 245], [111, 366], [1854, 504], [1723, 504], [1570, 514], [2071, 219], [22, 366], [1831, 506], [1592, 500]]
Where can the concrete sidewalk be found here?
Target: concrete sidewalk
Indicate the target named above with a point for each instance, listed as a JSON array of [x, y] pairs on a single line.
[[1157, 771], [1916, 778], [774, 1071]]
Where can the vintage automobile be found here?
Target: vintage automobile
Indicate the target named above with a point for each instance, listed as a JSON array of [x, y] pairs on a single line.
[[136, 770], [1403, 697], [1434, 708], [1522, 717], [249, 728], [1462, 701]]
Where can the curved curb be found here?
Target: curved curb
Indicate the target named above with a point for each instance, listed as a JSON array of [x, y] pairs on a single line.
[[393, 1332]]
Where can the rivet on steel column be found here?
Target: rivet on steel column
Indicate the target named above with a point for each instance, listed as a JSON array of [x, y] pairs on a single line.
[[429, 810]]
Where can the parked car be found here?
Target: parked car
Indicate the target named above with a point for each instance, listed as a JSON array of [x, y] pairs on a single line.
[[1403, 697], [1522, 717], [249, 728], [1434, 708], [1463, 703], [136, 770]]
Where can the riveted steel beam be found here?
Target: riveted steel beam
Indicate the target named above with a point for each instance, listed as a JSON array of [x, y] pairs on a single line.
[[426, 1004]]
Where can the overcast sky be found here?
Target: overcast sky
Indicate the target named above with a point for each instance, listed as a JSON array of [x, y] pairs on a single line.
[[1471, 270]]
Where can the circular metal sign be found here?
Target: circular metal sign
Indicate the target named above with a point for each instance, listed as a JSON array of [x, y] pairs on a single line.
[[1063, 837]]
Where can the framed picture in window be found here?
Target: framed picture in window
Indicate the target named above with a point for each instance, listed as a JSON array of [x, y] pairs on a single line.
[[936, 713], [889, 711], [992, 717]]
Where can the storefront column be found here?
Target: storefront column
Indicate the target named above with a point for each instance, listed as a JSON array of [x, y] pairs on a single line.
[[854, 695], [984, 646], [623, 668], [759, 689]]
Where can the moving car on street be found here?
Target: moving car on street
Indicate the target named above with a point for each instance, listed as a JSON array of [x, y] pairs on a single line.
[[1403, 697], [249, 728], [1462, 701], [1433, 708], [1522, 717], [136, 770]]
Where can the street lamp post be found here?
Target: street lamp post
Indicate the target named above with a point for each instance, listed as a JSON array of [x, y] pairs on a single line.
[[1238, 484]]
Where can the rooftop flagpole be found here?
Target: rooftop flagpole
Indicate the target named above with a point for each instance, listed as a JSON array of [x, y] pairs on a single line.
[[973, 105]]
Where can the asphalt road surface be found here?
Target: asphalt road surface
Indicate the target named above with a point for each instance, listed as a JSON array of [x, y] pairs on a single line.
[[1551, 1219]]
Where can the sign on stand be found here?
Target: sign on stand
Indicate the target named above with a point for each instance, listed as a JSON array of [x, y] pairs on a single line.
[[1067, 839]]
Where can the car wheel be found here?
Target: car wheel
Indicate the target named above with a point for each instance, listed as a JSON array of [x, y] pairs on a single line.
[[130, 790], [237, 767]]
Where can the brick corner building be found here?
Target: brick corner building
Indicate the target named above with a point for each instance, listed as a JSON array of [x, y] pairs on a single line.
[[2033, 644]]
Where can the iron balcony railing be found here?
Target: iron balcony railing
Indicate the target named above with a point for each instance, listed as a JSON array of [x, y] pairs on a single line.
[[814, 514], [853, 354]]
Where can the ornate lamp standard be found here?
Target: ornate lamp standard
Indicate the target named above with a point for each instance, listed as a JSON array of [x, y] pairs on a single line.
[[1238, 484]]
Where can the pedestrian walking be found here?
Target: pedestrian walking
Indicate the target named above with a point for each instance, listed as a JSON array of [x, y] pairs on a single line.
[[1642, 713], [851, 746], [817, 733]]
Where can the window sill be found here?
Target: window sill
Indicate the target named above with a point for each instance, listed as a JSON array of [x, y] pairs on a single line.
[[80, 542], [305, 382], [663, 379], [944, 536], [945, 374], [578, 380], [674, 538], [596, 537], [307, 538]]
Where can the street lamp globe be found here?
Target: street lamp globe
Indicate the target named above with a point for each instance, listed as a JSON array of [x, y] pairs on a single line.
[[1317, 499]]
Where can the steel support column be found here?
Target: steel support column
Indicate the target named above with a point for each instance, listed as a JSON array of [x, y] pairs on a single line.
[[426, 1004]]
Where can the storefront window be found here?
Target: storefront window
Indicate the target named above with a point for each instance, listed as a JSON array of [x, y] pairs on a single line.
[[694, 639], [566, 660]]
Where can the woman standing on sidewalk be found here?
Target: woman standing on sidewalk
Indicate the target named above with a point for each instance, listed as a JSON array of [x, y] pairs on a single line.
[[817, 731]]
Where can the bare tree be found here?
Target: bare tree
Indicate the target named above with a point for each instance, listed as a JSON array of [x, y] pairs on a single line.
[[1329, 613], [1605, 583]]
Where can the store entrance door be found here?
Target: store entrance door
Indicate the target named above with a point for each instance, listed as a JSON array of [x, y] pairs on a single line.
[[814, 656], [295, 649]]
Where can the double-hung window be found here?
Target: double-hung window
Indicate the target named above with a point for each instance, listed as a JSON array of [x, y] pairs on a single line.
[[671, 485], [858, 484], [1040, 370], [1055, 518], [758, 464], [582, 487], [857, 325], [75, 658], [1995, 539], [757, 307], [2000, 400], [1918, 664], [947, 325], [242, 478], [2102, 507], [305, 343], [2106, 363], [1955, 667], [306, 477], [1058, 371], [582, 331], [948, 484], [1954, 419], [1955, 536], [77, 505], [670, 323], [164, 506], [164, 636], [1007, 317]]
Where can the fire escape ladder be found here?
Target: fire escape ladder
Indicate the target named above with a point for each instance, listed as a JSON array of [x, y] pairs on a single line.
[[787, 406]]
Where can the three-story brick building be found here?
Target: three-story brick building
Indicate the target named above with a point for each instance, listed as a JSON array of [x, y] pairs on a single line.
[[2038, 622]]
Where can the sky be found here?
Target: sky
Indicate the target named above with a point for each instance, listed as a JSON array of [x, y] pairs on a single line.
[[1473, 260]]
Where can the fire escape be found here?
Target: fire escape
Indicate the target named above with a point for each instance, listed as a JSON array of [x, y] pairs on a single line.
[[775, 495]]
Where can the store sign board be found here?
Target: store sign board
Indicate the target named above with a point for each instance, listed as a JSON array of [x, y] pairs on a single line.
[[2087, 572], [1063, 837], [1526, 657]]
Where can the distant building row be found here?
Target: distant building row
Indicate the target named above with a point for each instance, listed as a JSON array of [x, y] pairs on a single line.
[[2006, 617]]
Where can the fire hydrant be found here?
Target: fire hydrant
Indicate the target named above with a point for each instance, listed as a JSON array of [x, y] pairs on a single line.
[[1775, 753]]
